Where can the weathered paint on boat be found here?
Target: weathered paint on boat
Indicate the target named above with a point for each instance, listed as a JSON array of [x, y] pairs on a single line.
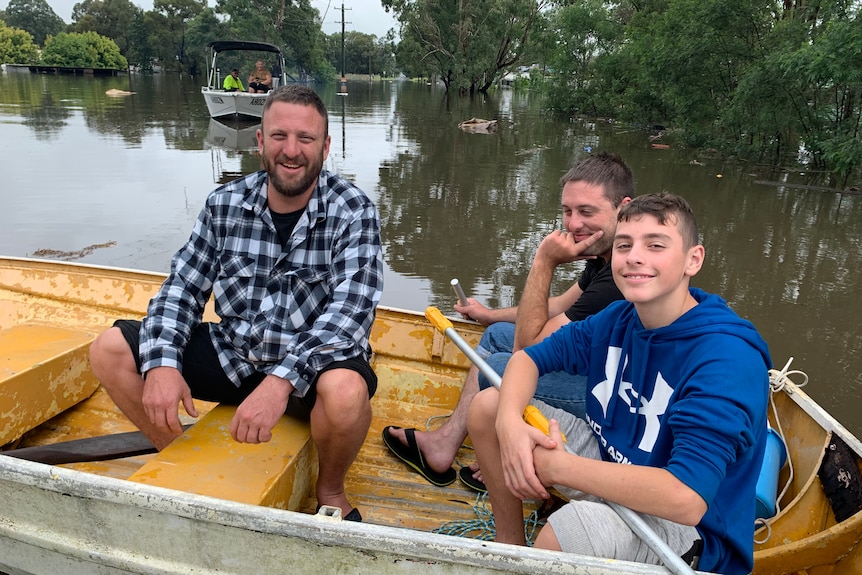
[[202, 505]]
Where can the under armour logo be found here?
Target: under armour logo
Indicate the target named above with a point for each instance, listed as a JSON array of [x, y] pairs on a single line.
[[652, 409]]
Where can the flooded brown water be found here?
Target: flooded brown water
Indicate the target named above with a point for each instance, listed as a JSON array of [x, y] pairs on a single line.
[[119, 181]]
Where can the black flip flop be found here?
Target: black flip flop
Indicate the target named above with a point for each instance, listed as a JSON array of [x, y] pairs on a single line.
[[465, 474], [412, 456], [354, 515]]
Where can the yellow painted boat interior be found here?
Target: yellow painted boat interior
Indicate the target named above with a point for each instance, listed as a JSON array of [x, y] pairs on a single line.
[[50, 312]]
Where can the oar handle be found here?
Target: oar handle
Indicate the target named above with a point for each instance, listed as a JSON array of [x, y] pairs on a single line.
[[459, 291], [436, 317]]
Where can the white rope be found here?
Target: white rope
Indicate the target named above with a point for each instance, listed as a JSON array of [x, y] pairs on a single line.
[[778, 379]]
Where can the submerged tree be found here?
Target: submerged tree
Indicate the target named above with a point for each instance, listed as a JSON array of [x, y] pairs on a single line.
[[172, 19], [804, 93], [86, 50], [578, 37], [778, 80], [469, 44]]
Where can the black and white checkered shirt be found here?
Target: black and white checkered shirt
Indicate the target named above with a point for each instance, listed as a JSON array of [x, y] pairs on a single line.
[[287, 313]]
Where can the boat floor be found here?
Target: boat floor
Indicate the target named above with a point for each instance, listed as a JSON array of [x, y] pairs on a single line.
[[386, 491]]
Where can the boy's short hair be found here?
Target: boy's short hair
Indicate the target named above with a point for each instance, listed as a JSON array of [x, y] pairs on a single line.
[[664, 206], [607, 170]]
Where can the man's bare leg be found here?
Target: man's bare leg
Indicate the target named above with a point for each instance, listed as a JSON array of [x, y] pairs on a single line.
[[508, 509], [440, 446], [114, 366], [339, 423]]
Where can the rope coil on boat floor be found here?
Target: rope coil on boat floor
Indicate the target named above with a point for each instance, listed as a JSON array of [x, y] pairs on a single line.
[[483, 528]]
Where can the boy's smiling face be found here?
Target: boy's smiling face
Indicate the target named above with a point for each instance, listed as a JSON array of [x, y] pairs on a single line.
[[652, 267]]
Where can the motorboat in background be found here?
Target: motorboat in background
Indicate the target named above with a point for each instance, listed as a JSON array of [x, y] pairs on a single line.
[[223, 56]]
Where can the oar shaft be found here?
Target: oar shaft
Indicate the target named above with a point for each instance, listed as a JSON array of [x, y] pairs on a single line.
[[636, 523]]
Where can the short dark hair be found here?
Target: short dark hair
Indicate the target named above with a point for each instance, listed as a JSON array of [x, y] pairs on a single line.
[[664, 206], [607, 170], [297, 94]]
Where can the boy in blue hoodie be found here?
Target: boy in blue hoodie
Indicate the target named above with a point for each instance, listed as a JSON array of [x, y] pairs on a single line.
[[676, 411]]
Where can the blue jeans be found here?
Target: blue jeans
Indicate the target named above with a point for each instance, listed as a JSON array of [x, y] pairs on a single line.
[[560, 389]]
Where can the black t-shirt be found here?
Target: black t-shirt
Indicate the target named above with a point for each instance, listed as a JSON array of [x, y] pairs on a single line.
[[599, 290], [284, 224]]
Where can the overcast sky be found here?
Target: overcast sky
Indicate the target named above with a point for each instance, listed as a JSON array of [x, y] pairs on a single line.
[[365, 16]]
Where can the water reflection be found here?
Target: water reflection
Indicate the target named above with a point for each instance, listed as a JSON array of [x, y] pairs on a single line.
[[453, 204], [233, 148], [232, 135]]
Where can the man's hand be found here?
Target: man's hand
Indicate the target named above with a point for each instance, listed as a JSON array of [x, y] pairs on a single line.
[[561, 248], [518, 440], [164, 389], [475, 311], [259, 412]]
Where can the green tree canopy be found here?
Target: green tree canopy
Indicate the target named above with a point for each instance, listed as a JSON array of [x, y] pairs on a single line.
[[36, 17], [171, 22], [363, 53], [777, 79], [470, 44], [16, 46], [83, 50], [111, 18], [140, 52], [294, 26], [577, 37]]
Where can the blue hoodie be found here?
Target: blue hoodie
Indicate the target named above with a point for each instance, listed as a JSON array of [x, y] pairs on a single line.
[[690, 397]]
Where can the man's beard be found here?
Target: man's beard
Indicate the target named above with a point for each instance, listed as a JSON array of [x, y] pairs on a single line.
[[291, 188], [601, 247]]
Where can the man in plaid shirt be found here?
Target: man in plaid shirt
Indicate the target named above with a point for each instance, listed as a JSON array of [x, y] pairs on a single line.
[[292, 258]]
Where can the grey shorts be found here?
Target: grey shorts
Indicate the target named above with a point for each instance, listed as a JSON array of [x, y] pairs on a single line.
[[588, 526]]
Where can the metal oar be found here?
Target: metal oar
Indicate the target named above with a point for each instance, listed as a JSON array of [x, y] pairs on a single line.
[[536, 418], [459, 291]]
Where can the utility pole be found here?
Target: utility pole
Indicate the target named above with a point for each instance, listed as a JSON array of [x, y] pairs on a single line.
[[343, 90]]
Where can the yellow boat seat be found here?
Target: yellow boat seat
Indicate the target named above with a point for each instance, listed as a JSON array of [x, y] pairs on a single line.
[[207, 461], [44, 370]]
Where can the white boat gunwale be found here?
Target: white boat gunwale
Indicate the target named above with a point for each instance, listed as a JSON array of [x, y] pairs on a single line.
[[365, 538]]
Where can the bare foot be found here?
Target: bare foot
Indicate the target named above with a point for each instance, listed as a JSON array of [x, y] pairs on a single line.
[[477, 473]]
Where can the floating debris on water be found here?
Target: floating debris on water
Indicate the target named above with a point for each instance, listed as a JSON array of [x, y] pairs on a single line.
[[69, 256]]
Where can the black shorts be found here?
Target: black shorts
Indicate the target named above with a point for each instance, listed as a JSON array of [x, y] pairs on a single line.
[[258, 86], [207, 380]]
